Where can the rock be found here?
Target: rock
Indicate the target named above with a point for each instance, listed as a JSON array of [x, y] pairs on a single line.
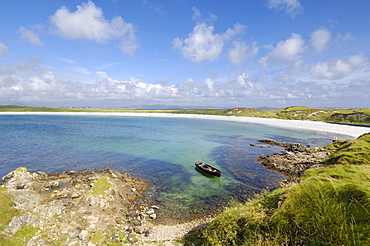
[[55, 186], [8, 176], [17, 222], [73, 234], [295, 160], [75, 195], [84, 236], [137, 223], [74, 243], [130, 239], [153, 216], [70, 209], [140, 229], [92, 219]]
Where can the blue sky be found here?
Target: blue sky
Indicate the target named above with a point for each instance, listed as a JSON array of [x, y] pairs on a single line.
[[116, 53]]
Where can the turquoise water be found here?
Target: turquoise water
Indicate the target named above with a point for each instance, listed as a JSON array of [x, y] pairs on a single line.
[[161, 151]]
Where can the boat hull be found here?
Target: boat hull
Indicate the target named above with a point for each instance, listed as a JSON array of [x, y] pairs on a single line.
[[208, 169]]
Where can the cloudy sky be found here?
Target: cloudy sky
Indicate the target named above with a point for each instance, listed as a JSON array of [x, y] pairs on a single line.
[[209, 53]]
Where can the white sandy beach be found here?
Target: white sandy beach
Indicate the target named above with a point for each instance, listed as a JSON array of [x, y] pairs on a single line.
[[353, 131]]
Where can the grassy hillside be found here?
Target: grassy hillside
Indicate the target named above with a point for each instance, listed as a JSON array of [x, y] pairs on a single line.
[[330, 206], [350, 151]]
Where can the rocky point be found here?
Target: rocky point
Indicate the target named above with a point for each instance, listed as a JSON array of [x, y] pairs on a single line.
[[78, 207]]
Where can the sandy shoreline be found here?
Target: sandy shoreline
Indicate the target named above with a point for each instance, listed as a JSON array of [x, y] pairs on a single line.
[[169, 234], [353, 131]]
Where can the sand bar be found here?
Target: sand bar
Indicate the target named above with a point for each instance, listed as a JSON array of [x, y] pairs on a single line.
[[353, 131]]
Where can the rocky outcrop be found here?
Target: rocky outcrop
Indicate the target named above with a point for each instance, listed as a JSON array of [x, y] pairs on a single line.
[[78, 207], [295, 160]]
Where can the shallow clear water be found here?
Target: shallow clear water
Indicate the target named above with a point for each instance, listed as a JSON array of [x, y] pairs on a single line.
[[159, 150]]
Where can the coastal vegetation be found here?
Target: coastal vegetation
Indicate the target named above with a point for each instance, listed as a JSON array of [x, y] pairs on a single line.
[[340, 115], [350, 151], [6, 210], [329, 206]]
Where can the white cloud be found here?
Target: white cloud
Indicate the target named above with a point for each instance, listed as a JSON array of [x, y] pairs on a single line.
[[202, 44], [286, 51], [241, 52], [345, 37], [30, 36], [338, 69], [66, 60], [163, 81], [3, 50], [88, 22], [156, 8], [291, 7], [29, 82], [198, 17], [107, 65], [81, 70], [320, 39]]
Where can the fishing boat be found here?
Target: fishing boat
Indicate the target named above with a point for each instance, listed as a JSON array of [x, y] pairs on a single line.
[[208, 169]]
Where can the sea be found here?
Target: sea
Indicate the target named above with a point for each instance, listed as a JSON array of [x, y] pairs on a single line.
[[161, 151]]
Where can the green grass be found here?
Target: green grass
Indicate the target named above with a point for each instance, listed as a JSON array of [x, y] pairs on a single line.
[[331, 206], [296, 108], [21, 237], [101, 186], [351, 151], [7, 211]]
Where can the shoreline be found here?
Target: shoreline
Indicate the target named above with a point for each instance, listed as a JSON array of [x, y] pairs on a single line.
[[343, 129], [169, 234]]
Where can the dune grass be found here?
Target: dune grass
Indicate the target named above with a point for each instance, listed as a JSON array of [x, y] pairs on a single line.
[[331, 206], [351, 151]]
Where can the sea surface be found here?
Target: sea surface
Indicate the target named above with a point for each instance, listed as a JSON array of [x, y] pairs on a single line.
[[161, 151]]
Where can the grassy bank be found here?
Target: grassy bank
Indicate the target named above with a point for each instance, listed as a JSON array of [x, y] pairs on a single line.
[[330, 206], [358, 116]]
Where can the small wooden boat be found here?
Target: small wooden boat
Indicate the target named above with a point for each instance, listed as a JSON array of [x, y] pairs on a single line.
[[208, 169]]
